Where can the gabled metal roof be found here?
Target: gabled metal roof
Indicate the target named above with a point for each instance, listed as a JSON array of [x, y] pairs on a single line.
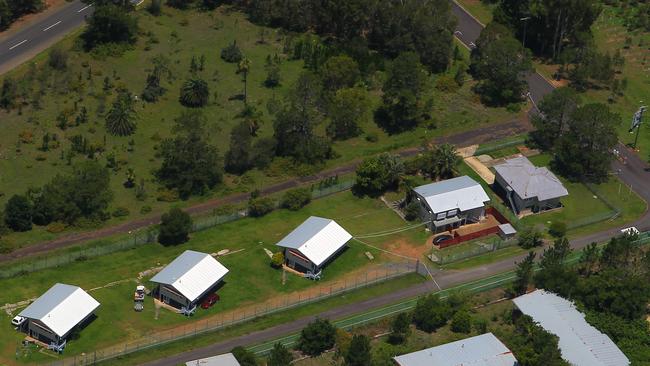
[[61, 308], [462, 193], [222, 360], [482, 350], [191, 273], [529, 181], [317, 239], [580, 343]]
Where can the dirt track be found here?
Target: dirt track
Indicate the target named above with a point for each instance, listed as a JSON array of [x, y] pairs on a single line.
[[477, 136]]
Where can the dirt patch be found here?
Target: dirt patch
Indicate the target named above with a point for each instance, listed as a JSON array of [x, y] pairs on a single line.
[[481, 169], [407, 249]]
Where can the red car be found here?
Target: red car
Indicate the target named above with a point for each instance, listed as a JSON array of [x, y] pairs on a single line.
[[209, 301]]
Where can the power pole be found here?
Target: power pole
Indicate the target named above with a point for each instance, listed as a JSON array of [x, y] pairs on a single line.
[[525, 20]]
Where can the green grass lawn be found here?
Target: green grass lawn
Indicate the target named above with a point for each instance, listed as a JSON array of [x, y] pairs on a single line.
[[251, 279], [181, 35]]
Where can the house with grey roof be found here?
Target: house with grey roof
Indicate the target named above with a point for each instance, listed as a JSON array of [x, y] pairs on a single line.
[[451, 203], [580, 343], [187, 279], [482, 350], [52, 317], [310, 246], [227, 359], [527, 187]]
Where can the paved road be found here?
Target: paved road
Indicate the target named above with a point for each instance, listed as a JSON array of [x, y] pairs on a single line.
[[38, 36]]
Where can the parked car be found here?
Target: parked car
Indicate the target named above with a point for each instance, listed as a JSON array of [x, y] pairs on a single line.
[[18, 320], [630, 231], [441, 238], [209, 301]]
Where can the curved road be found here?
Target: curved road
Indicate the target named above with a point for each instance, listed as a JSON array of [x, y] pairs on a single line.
[[22, 45]]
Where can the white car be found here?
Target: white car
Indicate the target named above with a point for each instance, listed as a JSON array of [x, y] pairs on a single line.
[[18, 320], [630, 231]]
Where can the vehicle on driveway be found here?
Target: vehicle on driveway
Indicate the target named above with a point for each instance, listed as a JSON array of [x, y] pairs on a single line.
[[18, 320], [209, 301], [442, 238], [138, 298]]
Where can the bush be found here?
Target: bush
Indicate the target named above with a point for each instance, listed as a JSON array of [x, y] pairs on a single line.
[[175, 227], [55, 227], [446, 84], [260, 206], [231, 53], [431, 313], [412, 211], [400, 328], [296, 199], [461, 322], [557, 229], [277, 260], [530, 238], [244, 356], [372, 137], [18, 213], [145, 209], [167, 195], [121, 212], [58, 59], [317, 337], [480, 325]]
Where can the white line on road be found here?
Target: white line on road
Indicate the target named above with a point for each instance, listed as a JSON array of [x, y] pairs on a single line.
[[52, 26], [84, 8], [16, 45]]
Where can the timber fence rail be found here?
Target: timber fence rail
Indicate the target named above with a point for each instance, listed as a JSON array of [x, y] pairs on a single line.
[[381, 273], [144, 236]]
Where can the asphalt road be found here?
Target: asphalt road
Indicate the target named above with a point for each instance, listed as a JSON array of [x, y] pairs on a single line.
[[36, 37]]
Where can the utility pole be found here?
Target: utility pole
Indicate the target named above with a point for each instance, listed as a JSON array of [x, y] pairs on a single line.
[[525, 20], [636, 124]]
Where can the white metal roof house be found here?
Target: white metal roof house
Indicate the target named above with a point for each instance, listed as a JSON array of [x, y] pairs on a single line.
[[184, 281], [55, 314], [451, 203], [528, 187], [222, 360], [580, 343], [482, 350], [312, 244]]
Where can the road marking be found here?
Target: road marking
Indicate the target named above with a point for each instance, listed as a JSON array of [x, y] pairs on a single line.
[[52, 26], [84, 8], [16, 45]]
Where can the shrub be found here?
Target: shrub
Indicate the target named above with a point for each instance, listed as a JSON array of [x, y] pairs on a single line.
[[296, 199], [244, 356], [412, 211], [260, 206], [121, 212], [557, 229], [372, 137], [277, 260], [446, 84], [55, 227], [431, 313], [175, 227], [145, 209], [480, 325], [18, 213], [461, 322], [58, 58], [167, 195], [231, 53], [317, 337], [400, 328], [530, 238]]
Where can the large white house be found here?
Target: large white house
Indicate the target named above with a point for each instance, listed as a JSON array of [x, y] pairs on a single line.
[[312, 244], [451, 203]]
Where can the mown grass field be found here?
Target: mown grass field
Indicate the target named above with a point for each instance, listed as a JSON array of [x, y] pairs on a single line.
[[251, 279], [180, 35]]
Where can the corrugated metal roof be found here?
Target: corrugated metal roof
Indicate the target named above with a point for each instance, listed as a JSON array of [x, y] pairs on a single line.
[[507, 229], [462, 193], [191, 273], [222, 360], [61, 308], [529, 181], [580, 343], [482, 350], [317, 239]]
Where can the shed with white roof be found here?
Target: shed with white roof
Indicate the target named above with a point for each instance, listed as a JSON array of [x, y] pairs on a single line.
[[312, 244], [184, 281]]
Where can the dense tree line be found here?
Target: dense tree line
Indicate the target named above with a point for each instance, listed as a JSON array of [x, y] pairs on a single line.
[[390, 27], [10, 10], [580, 135]]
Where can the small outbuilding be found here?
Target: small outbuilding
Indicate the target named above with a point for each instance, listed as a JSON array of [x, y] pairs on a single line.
[[507, 231], [313, 244], [189, 277], [580, 343], [222, 360], [451, 203], [51, 318], [482, 350], [526, 187]]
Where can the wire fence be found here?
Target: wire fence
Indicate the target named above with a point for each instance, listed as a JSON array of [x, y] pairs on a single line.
[[246, 313], [146, 236], [478, 247]]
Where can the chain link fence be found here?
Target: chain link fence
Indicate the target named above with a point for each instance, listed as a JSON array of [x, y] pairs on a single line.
[[479, 247], [246, 313], [148, 235]]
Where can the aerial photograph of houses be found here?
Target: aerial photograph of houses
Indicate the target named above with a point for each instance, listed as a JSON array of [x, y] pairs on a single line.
[[324, 183]]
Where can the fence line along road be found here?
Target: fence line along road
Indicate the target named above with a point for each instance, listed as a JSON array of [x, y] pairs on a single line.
[[325, 291]]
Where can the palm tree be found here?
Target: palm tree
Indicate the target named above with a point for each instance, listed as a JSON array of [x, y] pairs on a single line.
[[121, 119], [195, 93], [244, 67], [445, 161]]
